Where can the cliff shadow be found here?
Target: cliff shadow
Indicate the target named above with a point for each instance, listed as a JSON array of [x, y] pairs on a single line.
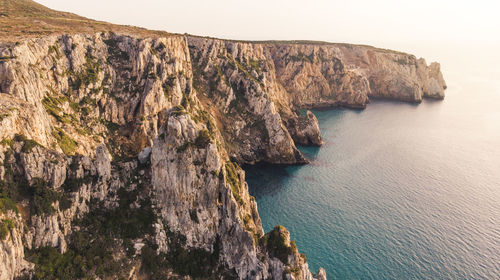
[[386, 100], [266, 179]]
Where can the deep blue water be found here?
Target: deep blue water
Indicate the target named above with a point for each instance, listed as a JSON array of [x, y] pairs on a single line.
[[397, 191]]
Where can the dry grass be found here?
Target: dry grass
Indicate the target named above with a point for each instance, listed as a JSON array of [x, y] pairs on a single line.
[[24, 19], [305, 42]]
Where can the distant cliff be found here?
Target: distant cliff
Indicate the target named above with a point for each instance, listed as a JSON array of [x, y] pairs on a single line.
[[120, 151], [256, 85]]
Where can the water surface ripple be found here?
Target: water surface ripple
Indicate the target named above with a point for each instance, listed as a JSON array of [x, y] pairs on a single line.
[[398, 191]]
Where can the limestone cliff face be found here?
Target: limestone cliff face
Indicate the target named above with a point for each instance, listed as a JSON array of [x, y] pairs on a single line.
[[119, 154], [108, 154], [322, 74], [258, 88], [87, 84], [393, 74], [316, 76], [239, 82]]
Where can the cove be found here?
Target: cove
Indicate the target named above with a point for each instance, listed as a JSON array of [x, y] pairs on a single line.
[[397, 191]]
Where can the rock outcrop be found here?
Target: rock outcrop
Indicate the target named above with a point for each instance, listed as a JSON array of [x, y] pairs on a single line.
[[394, 75], [95, 125], [307, 130], [120, 153], [315, 76], [240, 84]]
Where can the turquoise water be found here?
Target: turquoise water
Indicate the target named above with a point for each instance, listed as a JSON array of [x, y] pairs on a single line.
[[397, 191]]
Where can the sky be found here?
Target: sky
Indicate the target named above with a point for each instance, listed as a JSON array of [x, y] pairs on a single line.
[[456, 33]]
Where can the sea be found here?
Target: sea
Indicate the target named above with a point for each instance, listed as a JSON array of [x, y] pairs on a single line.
[[398, 190]]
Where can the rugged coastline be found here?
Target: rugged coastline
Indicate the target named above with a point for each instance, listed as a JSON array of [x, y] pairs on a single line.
[[120, 152]]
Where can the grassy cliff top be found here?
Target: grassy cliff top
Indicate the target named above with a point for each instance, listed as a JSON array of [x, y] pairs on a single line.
[[304, 42], [24, 19]]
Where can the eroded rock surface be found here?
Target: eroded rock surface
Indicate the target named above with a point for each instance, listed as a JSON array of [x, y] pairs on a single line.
[[120, 155]]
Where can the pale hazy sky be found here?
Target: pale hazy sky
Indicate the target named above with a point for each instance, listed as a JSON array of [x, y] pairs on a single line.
[[443, 30]]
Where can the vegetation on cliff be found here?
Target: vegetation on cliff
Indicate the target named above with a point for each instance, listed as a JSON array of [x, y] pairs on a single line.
[[21, 19], [104, 112], [276, 241], [6, 225]]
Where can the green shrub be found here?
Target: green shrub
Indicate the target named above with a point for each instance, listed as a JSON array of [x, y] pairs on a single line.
[[246, 220], [6, 225], [66, 143], [92, 69], [55, 49], [203, 139], [16, 188], [293, 270], [125, 221], [168, 85], [89, 75], [29, 144], [114, 51], [255, 64], [184, 147], [76, 83], [302, 57], [153, 264], [6, 203], [64, 202], [7, 58], [19, 138], [221, 76], [53, 107], [7, 142], [401, 61], [244, 68], [75, 106], [202, 116], [233, 179], [90, 250], [179, 110], [43, 198], [87, 100], [3, 116], [197, 263], [186, 100], [11, 187], [50, 264], [111, 126], [86, 110], [74, 184], [275, 242]]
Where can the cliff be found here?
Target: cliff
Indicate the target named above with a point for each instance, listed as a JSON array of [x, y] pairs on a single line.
[[258, 88], [104, 134], [120, 147]]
